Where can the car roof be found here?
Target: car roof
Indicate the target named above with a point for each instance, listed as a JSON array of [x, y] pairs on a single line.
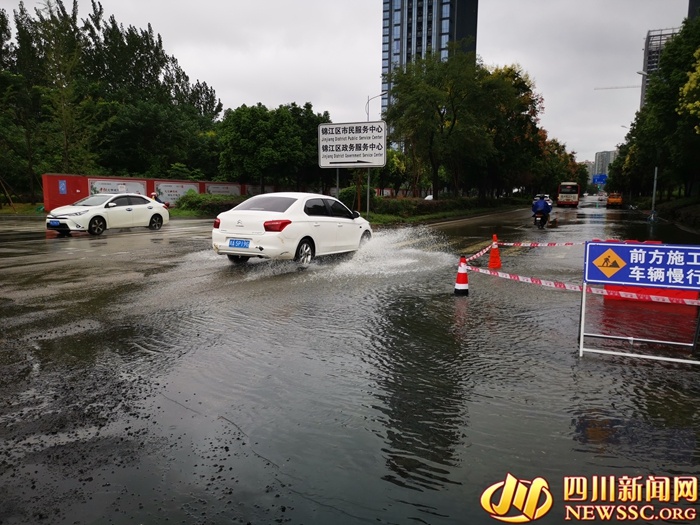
[[294, 194], [115, 194]]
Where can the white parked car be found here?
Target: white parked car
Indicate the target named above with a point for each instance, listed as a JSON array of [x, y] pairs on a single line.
[[102, 211], [288, 226]]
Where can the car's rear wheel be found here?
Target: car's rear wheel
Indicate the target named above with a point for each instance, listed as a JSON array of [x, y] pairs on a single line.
[[238, 259], [156, 222], [305, 252], [97, 226]]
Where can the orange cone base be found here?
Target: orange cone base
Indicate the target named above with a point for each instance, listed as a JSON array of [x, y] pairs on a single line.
[[494, 259], [494, 255]]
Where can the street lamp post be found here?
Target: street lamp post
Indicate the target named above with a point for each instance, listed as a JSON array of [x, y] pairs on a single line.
[[372, 98], [652, 217], [368, 169]]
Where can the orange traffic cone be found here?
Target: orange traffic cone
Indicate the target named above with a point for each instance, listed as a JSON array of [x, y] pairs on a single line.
[[462, 282], [494, 255]]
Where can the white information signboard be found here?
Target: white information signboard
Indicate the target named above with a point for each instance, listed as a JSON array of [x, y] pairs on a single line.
[[352, 145]]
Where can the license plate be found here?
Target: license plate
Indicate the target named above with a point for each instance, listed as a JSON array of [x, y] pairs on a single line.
[[54, 223], [238, 243]]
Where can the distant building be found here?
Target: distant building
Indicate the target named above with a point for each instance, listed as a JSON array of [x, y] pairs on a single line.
[[603, 159], [590, 168], [412, 28], [654, 44]]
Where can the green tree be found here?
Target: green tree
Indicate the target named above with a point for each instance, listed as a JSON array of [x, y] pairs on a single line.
[[253, 147], [672, 142], [67, 129], [393, 174], [690, 93], [517, 140], [155, 136], [471, 126], [23, 103], [306, 122], [435, 108]]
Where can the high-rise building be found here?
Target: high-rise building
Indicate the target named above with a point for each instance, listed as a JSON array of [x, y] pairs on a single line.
[[693, 7], [654, 44], [414, 27], [603, 159]]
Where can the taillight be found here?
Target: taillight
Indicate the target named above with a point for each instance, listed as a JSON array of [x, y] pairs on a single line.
[[217, 223], [276, 226]]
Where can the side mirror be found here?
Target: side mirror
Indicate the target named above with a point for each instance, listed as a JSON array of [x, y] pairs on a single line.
[[355, 214], [111, 205]]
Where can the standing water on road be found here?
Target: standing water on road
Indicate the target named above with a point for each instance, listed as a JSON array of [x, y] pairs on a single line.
[[361, 390]]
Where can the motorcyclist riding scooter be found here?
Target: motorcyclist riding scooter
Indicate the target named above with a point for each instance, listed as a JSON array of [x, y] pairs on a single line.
[[541, 210]]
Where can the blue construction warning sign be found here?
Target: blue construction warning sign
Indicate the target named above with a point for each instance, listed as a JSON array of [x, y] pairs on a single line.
[[636, 264]]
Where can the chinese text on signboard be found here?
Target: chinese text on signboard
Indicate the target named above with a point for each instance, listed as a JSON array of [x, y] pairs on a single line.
[[658, 265], [353, 145]]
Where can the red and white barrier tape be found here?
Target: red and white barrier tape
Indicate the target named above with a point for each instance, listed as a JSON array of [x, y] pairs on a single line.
[[529, 280], [479, 254], [577, 288], [643, 297], [535, 244]]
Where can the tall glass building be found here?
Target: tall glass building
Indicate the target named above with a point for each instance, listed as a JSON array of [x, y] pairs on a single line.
[[413, 27], [693, 8], [653, 46]]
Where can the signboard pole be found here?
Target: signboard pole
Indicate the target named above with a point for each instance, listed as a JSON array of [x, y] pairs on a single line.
[[368, 172], [582, 320]]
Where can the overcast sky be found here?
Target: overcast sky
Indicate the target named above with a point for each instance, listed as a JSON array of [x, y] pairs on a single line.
[[328, 52]]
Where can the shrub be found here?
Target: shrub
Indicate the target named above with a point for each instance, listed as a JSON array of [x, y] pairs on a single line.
[[410, 206], [348, 196], [207, 204], [405, 207], [686, 211]]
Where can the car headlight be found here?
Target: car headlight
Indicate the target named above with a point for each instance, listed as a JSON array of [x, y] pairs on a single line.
[[76, 214]]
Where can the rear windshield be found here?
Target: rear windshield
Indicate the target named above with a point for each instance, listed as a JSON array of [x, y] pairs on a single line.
[[266, 203], [568, 188]]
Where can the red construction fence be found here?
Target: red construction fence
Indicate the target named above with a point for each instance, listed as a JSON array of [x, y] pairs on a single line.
[[62, 189]]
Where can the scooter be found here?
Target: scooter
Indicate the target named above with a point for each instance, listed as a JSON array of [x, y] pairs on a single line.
[[540, 220]]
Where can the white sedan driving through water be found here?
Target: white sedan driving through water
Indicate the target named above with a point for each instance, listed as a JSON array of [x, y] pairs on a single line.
[[288, 226]]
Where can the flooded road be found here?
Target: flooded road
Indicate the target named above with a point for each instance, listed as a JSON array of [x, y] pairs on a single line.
[[144, 379]]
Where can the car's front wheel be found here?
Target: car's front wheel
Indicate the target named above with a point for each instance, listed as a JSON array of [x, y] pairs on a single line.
[[366, 236], [305, 252], [97, 226], [156, 222]]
